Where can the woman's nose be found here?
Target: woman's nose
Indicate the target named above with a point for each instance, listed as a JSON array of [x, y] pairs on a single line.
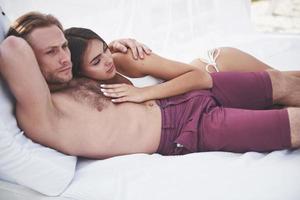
[[108, 61]]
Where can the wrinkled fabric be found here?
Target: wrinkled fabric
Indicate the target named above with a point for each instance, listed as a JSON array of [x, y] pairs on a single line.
[[229, 117]]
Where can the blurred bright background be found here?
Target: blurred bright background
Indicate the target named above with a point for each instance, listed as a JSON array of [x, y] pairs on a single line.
[[280, 16], [183, 29]]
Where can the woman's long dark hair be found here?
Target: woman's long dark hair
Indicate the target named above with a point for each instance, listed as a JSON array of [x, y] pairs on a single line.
[[78, 39]]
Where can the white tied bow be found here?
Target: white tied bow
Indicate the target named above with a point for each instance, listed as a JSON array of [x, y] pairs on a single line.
[[211, 61]]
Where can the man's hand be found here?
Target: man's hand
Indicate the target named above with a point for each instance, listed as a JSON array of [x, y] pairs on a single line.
[[124, 93], [138, 50]]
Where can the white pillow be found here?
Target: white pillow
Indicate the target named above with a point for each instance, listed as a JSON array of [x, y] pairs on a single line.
[[21, 160]]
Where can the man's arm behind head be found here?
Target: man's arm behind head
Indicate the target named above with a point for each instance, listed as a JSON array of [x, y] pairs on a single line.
[[19, 68]]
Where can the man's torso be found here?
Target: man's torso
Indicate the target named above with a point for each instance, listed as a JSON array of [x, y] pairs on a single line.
[[92, 126]]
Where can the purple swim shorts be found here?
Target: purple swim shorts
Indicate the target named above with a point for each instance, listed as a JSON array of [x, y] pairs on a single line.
[[233, 116]]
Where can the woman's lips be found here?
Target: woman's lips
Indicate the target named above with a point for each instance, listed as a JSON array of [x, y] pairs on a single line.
[[111, 69]]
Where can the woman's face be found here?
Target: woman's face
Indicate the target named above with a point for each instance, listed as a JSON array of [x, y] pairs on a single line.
[[97, 64]]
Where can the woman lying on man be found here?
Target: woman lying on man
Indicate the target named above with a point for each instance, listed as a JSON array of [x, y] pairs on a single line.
[[92, 58], [233, 115]]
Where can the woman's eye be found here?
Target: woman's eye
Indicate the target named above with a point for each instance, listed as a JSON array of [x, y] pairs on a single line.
[[96, 62]]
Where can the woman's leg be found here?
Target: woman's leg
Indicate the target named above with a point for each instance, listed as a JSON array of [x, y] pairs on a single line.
[[232, 59]]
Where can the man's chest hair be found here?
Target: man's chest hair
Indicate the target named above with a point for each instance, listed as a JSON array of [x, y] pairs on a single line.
[[88, 92]]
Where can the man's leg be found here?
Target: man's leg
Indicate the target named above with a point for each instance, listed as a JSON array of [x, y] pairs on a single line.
[[294, 119], [247, 90], [240, 130], [286, 89], [255, 90]]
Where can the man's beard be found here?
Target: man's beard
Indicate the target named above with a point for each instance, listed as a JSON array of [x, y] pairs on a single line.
[[55, 82]]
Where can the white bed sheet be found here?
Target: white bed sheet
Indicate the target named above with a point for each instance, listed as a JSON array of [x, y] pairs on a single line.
[[210, 175]]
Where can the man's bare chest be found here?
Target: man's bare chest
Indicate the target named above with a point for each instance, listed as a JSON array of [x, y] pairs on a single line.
[[87, 92]]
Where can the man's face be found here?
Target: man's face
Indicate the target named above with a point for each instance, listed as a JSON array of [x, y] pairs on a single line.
[[53, 55]]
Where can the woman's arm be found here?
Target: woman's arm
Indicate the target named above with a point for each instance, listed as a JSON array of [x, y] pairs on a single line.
[[180, 77]]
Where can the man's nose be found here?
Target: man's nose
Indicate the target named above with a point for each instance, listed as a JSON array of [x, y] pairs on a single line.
[[65, 57]]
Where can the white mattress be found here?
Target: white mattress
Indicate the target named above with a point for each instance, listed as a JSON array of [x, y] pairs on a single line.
[[210, 175]]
